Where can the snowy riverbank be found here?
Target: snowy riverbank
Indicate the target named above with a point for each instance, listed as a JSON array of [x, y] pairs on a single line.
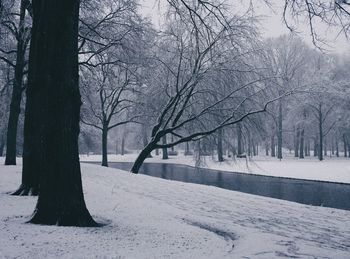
[[153, 218], [330, 170]]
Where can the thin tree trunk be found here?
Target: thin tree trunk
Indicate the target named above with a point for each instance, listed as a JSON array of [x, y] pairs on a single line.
[[187, 151], [273, 147], [315, 146], [279, 132], [172, 140], [15, 106], [220, 152], [164, 150], [239, 140], [320, 128], [306, 147], [249, 144], [301, 149], [345, 146], [337, 147], [255, 148], [297, 143], [53, 79], [123, 146], [104, 145]]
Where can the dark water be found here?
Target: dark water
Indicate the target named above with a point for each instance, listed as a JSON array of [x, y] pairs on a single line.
[[334, 195]]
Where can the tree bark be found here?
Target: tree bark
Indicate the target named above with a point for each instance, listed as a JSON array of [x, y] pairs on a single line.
[[123, 146], [2, 144], [54, 80], [15, 106], [320, 128], [337, 147], [315, 146], [306, 147], [301, 146], [345, 146], [141, 158], [279, 132], [187, 150], [249, 144], [164, 150], [220, 151], [297, 143], [273, 150], [172, 140], [239, 140], [104, 145], [255, 148], [144, 139]]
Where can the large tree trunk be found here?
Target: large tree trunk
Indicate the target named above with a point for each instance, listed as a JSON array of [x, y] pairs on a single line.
[[279, 131], [104, 145], [301, 146], [220, 152], [164, 150], [15, 106], [54, 80]]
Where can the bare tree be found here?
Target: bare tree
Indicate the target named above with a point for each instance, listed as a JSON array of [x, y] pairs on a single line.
[[333, 13], [194, 48], [21, 34], [286, 59], [109, 97]]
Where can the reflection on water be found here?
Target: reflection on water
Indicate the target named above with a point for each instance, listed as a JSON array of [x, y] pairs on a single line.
[[317, 193]]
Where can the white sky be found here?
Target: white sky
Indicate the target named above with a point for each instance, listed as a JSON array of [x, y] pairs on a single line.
[[271, 25]]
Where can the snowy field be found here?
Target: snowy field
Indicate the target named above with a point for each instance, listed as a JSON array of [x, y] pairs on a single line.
[[331, 169], [153, 218]]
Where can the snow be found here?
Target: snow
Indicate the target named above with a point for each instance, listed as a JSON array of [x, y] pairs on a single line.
[[149, 217], [330, 170]]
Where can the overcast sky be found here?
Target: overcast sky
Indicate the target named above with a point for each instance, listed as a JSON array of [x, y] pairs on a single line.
[[271, 25]]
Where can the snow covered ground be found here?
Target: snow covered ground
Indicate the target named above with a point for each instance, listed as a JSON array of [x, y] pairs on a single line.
[[153, 218], [331, 169]]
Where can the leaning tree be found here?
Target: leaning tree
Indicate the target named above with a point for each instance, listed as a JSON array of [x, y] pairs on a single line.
[[200, 42]]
